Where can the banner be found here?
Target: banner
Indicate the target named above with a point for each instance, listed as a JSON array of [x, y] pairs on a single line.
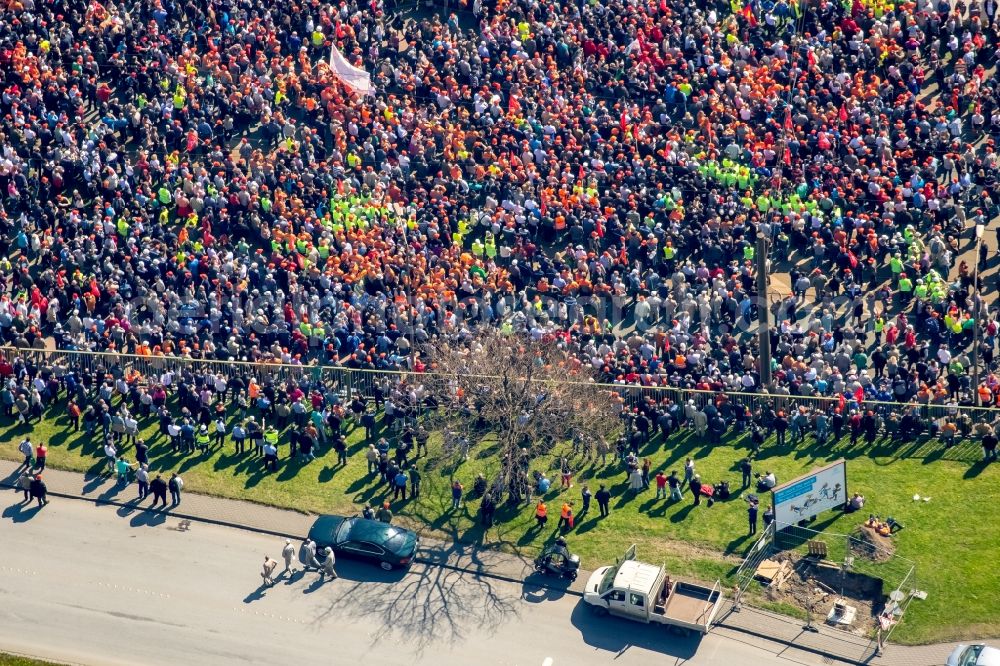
[[810, 495], [353, 77]]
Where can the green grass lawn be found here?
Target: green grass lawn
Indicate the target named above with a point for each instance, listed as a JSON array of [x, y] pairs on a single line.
[[952, 538], [11, 660]]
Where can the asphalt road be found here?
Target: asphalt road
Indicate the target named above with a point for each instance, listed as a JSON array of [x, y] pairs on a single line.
[[80, 584]]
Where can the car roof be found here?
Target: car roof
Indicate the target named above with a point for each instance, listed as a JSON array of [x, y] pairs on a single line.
[[990, 656], [636, 576], [375, 531]]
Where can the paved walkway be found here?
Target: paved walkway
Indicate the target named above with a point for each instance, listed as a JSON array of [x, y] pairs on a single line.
[[777, 633]]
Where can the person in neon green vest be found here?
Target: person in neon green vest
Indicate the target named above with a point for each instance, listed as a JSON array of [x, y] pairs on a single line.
[[491, 245], [896, 266], [905, 285]]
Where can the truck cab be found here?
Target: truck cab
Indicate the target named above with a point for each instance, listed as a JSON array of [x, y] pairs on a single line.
[[645, 593]]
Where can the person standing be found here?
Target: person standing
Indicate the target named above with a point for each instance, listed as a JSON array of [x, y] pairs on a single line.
[[326, 569], [661, 485], [176, 485], [142, 478], [414, 482], [27, 449], [158, 488], [270, 457], [41, 453], [603, 498], [752, 517], [268, 570], [384, 514], [307, 554], [487, 508], [586, 495], [288, 553], [695, 486], [239, 438], [565, 515], [456, 494], [688, 471], [747, 469], [675, 486], [541, 514], [24, 484], [39, 490], [399, 485]]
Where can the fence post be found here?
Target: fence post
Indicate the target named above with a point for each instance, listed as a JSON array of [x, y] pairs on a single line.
[[348, 381]]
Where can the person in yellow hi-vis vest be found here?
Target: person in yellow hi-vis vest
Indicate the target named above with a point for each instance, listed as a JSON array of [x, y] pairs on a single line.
[[491, 245]]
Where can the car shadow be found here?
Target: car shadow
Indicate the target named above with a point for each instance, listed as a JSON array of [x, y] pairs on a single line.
[[616, 635]]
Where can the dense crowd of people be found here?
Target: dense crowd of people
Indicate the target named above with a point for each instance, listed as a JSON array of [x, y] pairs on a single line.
[[191, 178]]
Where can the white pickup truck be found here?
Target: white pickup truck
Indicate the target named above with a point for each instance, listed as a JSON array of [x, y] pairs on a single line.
[[644, 592]]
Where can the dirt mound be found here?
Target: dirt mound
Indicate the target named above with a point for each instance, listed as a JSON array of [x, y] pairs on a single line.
[[817, 585], [869, 544]]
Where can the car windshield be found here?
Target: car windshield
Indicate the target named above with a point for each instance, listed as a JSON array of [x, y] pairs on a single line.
[[344, 530], [970, 656], [608, 580]]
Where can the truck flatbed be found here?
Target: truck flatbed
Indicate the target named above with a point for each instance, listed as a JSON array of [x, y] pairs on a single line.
[[691, 605]]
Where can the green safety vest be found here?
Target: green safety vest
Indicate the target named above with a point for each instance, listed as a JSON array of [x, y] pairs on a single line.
[[164, 195], [271, 437], [201, 438], [905, 285]]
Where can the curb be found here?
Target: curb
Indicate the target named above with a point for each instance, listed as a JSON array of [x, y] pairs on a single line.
[[286, 535], [802, 648], [444, 565]]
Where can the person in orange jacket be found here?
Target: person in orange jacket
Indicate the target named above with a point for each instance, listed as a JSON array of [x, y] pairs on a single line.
[[541, 514]]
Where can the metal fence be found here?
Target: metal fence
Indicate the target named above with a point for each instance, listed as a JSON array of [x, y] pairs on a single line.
[[350, 382], [853, 555]]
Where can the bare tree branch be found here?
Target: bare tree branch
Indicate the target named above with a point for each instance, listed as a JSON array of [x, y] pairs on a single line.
[[524, 396]]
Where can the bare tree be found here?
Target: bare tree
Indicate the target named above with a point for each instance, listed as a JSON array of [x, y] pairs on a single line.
[[525, 397]]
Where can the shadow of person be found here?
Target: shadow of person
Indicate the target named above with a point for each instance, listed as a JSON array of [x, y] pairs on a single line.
[[316, 584], [21, 512], [257, 594]]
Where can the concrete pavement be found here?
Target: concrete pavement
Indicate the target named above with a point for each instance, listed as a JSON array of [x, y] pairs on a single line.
[[772, 633], [79, 584]]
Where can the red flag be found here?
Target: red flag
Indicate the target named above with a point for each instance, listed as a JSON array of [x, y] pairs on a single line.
[[843, 114], [788, 119], [859, 395], [623, 121], [513, 106], [811, 57], [748, 15], [788, 157], [841, 403]]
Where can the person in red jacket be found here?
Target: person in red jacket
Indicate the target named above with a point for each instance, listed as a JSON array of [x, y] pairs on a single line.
[[41, 453]]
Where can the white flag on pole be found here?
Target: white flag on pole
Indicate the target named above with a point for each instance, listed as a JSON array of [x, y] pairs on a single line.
[[353, 77]]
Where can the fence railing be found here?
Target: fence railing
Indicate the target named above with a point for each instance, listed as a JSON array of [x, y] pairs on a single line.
[[349, 382], [854, 556], [747, 573]]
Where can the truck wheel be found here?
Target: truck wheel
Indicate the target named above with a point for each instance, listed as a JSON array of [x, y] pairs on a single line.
[[599, 611]]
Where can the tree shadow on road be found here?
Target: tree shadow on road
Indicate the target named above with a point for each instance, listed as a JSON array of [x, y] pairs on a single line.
[[428, 604]]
